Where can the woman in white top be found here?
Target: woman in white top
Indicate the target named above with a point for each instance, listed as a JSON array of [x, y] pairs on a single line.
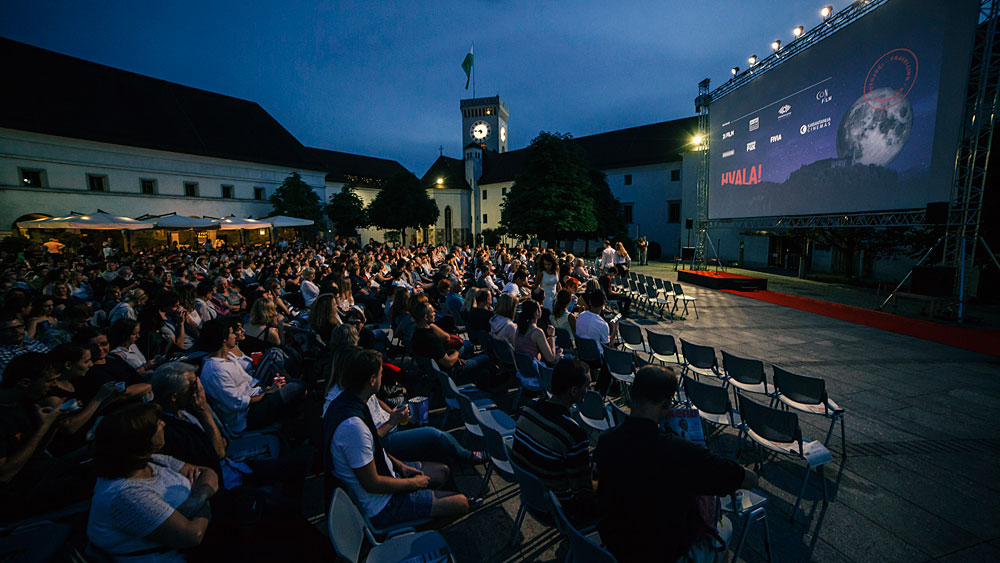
[[622, 260], [121, 339], [146, 506], [548, 279], [309, 290]]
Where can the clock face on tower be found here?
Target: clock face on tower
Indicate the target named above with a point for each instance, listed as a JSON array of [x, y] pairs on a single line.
[[480, 130], [503, 134]]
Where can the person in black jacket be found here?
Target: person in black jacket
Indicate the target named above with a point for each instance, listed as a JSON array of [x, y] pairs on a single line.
[[652, 498]]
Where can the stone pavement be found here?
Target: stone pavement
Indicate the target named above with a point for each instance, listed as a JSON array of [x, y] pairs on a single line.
[[921, 480]]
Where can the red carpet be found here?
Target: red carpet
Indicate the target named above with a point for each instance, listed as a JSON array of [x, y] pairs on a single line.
[[984, 341], [719, 275]]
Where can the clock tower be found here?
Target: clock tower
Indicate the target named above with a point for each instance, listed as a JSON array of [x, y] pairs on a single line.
[[484, 122]]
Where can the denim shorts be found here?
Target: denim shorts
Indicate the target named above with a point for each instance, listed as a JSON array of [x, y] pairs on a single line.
[[404, 507]]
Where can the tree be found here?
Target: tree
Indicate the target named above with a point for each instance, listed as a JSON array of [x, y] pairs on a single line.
[[552, 197], [402, 203], [347, 211], [295, 198], [607, 209]]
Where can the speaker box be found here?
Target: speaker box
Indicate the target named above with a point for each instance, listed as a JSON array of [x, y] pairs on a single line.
[[689, 223], [937, 213], [687, 253], [933, 281]]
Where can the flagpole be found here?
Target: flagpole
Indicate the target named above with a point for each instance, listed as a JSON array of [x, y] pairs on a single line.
[[473, 70]]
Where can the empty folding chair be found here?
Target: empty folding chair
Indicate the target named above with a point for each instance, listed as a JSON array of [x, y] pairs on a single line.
[[778, 432], [699, 360], [712, 402], [348, 530], [528, 377], [449, 390], [745, 374], [632, 337], [622, 368], [594, 415], [679, 297], [663, 348], [582, 548], [808, 394], [498, 429]]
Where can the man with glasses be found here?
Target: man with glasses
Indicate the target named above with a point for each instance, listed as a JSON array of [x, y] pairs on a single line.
[[13, 343]]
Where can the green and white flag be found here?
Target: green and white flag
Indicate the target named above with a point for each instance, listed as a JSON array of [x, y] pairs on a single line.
[[467, 66]]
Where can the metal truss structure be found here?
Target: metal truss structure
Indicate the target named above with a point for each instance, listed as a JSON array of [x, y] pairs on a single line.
[[971, 158], [905, 218]]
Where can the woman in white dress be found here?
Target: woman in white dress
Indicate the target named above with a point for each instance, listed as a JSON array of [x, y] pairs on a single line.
[[547, 278]]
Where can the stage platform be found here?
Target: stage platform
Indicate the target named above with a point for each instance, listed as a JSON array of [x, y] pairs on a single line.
[[722, 280]]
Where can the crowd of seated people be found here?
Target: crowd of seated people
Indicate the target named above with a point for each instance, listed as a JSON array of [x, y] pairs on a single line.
[[128, 379]]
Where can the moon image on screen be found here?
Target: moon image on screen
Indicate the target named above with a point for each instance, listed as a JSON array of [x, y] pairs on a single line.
[[874, 136]]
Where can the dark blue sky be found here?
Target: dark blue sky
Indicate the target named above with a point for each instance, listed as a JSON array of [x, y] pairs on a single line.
[[384, 79]]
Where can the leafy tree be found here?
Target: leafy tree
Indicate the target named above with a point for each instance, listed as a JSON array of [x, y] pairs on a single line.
[[347, 211], [402, 203], [552, 196], [295, 198]]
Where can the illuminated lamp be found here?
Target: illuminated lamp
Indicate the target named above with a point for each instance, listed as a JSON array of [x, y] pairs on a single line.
[[752, 60], [696, 139], [797, 31], [735, 70], [440, 181], [776, 44], [826, 12], [261, 232]]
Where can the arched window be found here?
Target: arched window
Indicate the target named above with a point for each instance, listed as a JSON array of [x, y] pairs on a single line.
[[447, 225]]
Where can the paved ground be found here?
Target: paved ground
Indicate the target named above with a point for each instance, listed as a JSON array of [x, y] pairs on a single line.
[[921, 480]]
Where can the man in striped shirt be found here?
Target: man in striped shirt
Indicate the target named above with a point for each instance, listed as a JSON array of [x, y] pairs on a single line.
[[549, 444]]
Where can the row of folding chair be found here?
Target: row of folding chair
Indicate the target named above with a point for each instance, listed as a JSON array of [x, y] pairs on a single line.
[[655, 295]]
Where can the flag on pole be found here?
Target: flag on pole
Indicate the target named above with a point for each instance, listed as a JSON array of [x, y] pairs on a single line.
[[467, 66]]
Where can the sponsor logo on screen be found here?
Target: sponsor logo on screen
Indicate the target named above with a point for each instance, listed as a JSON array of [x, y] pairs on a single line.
[[823, 96], [784, 111], [751, 146], [814, 126], [891, 78], [728, 134], [775, 138], [744, 176], [754, 123], [728, 153]]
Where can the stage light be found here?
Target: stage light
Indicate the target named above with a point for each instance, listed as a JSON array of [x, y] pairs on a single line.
[[735, 70], [696, 140], [797, 31], [826, 11], [776, 44], [752, 60]]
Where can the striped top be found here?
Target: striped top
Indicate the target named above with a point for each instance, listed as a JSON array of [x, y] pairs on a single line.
[[550, 445]]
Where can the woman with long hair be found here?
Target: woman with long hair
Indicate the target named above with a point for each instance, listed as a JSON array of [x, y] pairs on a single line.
[[531, 340], [122, 338], [622, 260], [502, 324], [561, 317], [145, 504], [324, 316]]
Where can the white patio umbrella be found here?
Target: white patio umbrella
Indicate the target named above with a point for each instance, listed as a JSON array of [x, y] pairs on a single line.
[[233, 223], [99, 221], [174, 221], [280, 221]]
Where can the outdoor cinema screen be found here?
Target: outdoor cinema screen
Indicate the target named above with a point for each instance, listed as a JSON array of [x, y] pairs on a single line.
[[865, 120]]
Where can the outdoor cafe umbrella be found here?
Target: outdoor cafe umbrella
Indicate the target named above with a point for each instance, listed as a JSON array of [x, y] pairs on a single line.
[[233, 222], [175, 222], [280, 221], [99, 221]]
